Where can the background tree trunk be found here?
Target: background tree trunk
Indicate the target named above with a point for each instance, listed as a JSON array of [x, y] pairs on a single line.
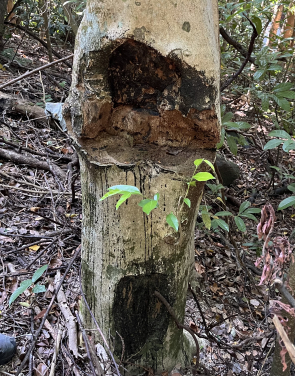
[[275, 24], [144, 104]]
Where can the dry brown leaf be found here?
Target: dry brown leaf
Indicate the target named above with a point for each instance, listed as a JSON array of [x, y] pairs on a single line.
[[41, 370]]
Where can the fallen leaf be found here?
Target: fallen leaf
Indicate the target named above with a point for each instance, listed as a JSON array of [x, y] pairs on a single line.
[[214, 288], [254, 302], [34, 247], [35, 208]]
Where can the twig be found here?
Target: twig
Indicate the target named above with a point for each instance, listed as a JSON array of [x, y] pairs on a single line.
[[41, 253], [235, 44], [97, 326], [69, 318], [56, 351], [282, 289], [90, 351], [288, 344], [250, 49], [34, 71], [37, 334], [38, 192], [199, 308], [180, 326]]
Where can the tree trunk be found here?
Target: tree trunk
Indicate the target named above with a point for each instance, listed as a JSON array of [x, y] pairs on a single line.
[[275, 25], [144, 104], [289, 27]]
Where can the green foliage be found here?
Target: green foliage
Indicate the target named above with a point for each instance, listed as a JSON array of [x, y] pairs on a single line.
[[214, 221], [148, 205], [28, 283]]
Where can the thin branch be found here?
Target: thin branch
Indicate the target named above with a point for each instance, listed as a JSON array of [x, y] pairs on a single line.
[[250, 49], [180, 326], [34, 71], [235, 44]]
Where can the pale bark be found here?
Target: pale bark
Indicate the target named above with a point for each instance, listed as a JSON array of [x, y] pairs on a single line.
[[289, 27], [275, 24], [144, 104]]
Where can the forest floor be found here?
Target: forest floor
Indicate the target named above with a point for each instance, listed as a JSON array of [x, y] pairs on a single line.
[[40, 224]]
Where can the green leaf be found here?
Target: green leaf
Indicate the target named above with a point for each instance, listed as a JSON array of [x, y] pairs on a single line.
[[191, 184], [38, 273], [249, 216], [274, 67], [244, 206], [223, 213], [288, 145], [237, 125], [172, 221], [23, 286], [259, 73], [203, 176], [258, 24], [264, 102], [121, 189], [243, 125], [39, 288], [232, 144], [252, 211], [197, 162], [122, 199], [227, 117], [206, 219], [282, 102], [222, 224], [276, 168], [144, 202], [110, 193], [291, 187], [187, 201], [285, 86], [272, 144], [289, 201], [209, 164], [240, 224], [221, 142], [126, 188], [279, 133], [286, 94], [148, 207]]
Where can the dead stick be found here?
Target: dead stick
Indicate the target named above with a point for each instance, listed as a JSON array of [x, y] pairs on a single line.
[[34, 71], [37, 333], [288, 344], [180, 326]]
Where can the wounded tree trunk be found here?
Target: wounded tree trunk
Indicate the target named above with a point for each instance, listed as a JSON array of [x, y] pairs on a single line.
[[144, 104]]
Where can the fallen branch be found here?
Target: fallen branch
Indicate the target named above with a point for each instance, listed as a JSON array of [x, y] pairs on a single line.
[[34, 71], [288, 344], [53, 335], [69, 318], [32, 162]]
